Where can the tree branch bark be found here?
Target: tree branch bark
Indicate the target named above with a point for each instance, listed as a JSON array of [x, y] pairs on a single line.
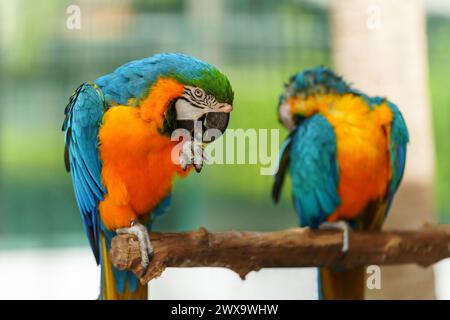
[[243, 252]]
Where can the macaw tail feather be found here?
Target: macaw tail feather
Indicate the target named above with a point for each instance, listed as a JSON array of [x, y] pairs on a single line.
[[346, 284], [116, 284]]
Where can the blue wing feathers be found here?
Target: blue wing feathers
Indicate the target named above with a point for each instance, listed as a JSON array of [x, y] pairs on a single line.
[[313, 168], [83, 116], [398, 141], [162, 206], [282, 168]]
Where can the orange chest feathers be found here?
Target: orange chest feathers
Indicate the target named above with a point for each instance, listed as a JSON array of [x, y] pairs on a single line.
[[137, 169], [362, 137]]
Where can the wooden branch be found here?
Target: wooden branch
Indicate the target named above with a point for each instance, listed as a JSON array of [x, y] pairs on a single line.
[[250, 251]]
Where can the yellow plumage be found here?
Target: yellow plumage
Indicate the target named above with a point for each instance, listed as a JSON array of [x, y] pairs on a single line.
[[108, 289]]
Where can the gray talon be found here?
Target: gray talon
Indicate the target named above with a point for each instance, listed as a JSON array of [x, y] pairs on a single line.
[[205, 156], [339, 225], [140, 231], [192, 153], [198, 156], [186, 155]]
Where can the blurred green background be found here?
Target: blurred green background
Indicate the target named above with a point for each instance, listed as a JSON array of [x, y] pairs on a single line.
[[258, 44]]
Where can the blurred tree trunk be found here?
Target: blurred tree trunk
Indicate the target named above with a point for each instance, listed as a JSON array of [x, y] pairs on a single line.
[[380, 46]]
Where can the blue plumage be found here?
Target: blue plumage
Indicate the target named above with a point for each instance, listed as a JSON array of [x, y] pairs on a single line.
[[319, 78], [83, 116], [314, 172], [133, 79]]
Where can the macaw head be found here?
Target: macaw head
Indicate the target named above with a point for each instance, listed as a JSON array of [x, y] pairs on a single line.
[[295, 103], [173, 91], [203, 95], [186, 98]]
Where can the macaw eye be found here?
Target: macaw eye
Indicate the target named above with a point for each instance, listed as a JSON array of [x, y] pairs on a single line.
[[199, 93]]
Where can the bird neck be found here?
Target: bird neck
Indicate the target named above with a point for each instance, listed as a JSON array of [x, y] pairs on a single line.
[[155, 105]]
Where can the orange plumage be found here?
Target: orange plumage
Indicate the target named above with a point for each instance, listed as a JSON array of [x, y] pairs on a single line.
[[137, 169]]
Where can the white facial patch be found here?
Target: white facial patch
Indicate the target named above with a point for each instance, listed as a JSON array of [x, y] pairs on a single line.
[[195, 103], [186, 111]]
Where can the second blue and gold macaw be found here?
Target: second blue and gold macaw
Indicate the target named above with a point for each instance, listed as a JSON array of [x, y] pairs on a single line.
[[345, 155]]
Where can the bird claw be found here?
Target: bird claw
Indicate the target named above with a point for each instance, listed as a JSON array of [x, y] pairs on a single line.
[[192, 153], [186, 155], [141, 232], [339, 225]]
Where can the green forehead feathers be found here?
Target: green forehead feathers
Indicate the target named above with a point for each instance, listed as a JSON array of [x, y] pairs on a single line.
[[212, 81]]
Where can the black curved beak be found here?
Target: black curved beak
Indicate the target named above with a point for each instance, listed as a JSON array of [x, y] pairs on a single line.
[[203, 131], [185, 124], [214, 125], [215, 121]]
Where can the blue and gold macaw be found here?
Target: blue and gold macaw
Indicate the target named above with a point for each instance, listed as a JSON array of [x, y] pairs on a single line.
[[345, 155], [121, 156]]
